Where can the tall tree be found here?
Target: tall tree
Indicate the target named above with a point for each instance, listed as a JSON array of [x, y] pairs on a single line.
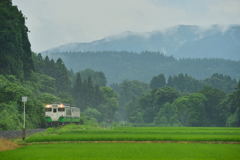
[[234, 107], [158, 81], [222, 82], [151, 103], [127, 91], [214, 111], [15, 51], [190, 109]]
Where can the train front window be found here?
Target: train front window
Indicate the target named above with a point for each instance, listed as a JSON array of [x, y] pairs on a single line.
[[54, 110], [48, 109], [61, 109]]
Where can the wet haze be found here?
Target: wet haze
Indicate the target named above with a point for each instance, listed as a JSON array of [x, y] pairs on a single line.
[[55, 22]]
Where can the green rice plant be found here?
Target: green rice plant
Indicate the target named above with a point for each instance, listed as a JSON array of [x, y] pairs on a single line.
[[124, 151], [86, 133]]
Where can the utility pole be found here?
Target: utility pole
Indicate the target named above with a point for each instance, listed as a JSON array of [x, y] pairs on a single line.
[[24, 100]]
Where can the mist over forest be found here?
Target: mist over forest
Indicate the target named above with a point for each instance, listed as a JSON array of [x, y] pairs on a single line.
[[119, 66]]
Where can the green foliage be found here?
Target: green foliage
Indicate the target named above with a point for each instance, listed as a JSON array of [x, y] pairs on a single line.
[[190, 109], [15, 53], [234, 107], [10, 117], [134, 112], [222, 82], [47, 98], [94, 100], [184, 83], [167, 116], [98, 78], [110, 104], [11, 91], [43, 82], [127, 91], [56, 70], [158, 81], [151, 103], [215, 112], [86, 93], [92, 113]]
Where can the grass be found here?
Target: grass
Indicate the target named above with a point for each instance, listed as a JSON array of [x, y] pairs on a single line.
[[85, 133], [124, 151]]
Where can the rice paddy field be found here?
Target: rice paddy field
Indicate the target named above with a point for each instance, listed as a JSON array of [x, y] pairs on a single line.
[[124, 151], [74, 142], [77, 133]]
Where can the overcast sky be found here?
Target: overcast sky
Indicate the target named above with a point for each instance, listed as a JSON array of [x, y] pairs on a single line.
[[56, 22]]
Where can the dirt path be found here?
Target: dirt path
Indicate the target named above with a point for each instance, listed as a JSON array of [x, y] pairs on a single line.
[[7, 145]]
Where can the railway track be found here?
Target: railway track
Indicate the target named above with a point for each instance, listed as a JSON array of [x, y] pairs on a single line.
[[18, 133]]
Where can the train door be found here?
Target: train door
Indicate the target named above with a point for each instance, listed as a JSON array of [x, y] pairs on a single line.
[[55, 114]]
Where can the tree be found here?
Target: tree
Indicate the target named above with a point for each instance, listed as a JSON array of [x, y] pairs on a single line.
[[93, 114], [190, 109], [15, 53], [127, 91], [222, 82], [158, 81], [184, 83], [167, 116], [98, 78], [151, 103], [214, 111], [234, 107], [110, 104], [133, 112], [61, 76], [78, 91], [10, 117]]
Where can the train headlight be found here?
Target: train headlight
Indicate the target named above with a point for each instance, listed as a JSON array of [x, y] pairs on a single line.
[[48, 106], [61, 105]]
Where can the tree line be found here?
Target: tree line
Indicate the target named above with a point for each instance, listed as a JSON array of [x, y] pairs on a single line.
[[180, 100]]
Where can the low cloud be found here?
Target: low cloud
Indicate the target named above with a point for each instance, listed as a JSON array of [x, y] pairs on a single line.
[[56, 22]]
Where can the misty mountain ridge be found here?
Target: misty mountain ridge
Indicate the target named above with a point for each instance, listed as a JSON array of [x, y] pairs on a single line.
[[183, 41], [119, 66]]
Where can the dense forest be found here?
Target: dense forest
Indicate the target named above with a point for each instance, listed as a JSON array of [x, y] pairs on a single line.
[[167, 100], [180, 101], [122, 65]]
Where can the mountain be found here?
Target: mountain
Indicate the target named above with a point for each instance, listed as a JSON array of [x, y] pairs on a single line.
[[183, 41]]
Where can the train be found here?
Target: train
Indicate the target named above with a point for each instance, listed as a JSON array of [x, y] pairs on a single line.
[[58, 113]]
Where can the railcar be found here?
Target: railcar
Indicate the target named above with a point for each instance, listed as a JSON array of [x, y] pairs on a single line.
[[61, 114]]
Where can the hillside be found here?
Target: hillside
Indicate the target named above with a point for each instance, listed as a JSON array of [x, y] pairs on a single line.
[[15, 51], [183, 41], [119, 66]]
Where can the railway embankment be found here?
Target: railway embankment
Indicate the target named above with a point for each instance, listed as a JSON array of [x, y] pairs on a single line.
[[18, 133]]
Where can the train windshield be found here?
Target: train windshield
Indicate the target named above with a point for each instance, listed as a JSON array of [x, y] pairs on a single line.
[[48, 109], [61, 109]]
